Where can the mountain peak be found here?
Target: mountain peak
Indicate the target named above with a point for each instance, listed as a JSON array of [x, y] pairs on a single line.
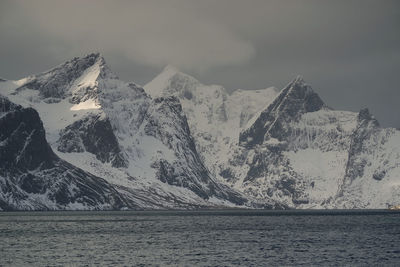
[[91, 56], [298, 84], [95, 60], [294, 100], [299, 80], [82, 63], [300, 92], [364, 116], [172, 72], [170, 81], [77, 66], [56, 81]]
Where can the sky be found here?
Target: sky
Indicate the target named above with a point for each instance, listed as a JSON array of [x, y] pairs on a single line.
[[348, 51]]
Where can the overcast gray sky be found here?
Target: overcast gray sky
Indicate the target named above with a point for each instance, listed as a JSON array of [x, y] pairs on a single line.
[[349, 51]]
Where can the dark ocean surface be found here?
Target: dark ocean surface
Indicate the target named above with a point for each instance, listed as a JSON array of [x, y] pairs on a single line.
[[200, 238]]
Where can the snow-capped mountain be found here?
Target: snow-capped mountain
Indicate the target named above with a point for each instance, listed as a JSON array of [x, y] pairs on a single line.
[[114, 130], [215, 117], [372, 174], [177, 143], [288, 146], [32, 177]]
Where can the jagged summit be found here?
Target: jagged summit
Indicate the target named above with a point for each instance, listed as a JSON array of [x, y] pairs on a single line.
[[298, 90], [181, 147], [170, 81], [297, 97], [78, 72], [298, 80], [116, 131], [365, 117], [88, 59], [364, 114], [294, 100], [77, 65], [32, 177]]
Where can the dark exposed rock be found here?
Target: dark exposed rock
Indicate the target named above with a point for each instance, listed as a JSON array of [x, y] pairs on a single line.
[[364, 116], [55, 82], [32, 177], [93, 134], [167, 122], [167, 174], [22, 128], [379, 175], [128, 115], [367, 127], [227, 174], [221, 113], [270, 135], [187, 94], [294, 100]]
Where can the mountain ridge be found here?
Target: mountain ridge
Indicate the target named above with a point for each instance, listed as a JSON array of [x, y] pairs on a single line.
[[177, 143], [94, 119], [272, 155], [32, 177]]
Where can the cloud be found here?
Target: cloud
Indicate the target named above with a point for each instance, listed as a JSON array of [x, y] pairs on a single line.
[[349, 50], [148, 32]]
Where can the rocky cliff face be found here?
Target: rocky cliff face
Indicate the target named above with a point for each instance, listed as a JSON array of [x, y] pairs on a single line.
[[289, 147], [32, 177], [114, 130], [93, 134], [167, 123], [367, 127], [373, 166], [56, 83], [304, 154], [294, 100], [215, 117], [180, 144]]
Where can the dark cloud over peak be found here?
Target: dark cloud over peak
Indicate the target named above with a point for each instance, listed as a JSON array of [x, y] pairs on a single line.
[[349, 51]]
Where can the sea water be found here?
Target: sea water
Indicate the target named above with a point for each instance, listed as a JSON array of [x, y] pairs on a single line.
[[200, 238]]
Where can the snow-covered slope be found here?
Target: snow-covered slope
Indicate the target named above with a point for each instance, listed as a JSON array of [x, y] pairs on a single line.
[[288, 146], [32, 177], [180, 144], [114, 130], [304, 154], [372, 174], [215, 117]]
